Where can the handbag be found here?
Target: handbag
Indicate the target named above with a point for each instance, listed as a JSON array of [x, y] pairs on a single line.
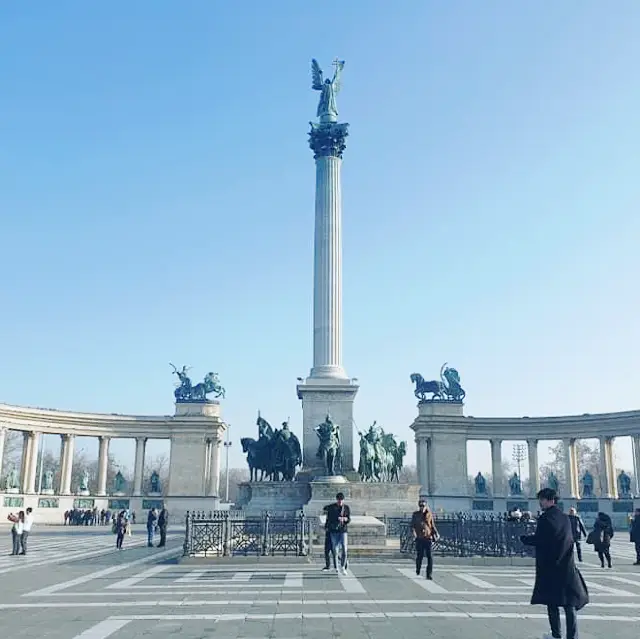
[[591, 538]]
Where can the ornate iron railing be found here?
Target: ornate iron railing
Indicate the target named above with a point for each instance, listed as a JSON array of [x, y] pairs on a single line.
[[225, 533], [463, 535]]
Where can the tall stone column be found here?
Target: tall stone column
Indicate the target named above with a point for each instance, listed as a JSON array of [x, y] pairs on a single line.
[[570, 468], [66, 465], [3, 436], [636, 463], [103, 464], [422, 464], [496, 467], [605, 469], [141, 443], [214, 468], [611, 466], [534, 471], [327, 390], [30, 461]]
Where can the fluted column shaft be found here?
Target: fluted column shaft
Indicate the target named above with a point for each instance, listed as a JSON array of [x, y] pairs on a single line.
[[636, 463], [605, 467], [66, 465], [534, 471], [496, 467], [570, 468], [422, 464], [30, 461], [327, 288], [103, 464], [3, 435], [611, 466], [214, 468], [141, 443]]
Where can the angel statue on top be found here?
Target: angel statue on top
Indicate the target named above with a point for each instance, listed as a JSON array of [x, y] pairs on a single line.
[[327, 107]]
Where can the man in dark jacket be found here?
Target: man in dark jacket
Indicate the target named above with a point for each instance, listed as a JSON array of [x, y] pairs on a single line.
[[338, 519], [558, 581], [577, 530], [327, 543], [163, 523], [635, 535]]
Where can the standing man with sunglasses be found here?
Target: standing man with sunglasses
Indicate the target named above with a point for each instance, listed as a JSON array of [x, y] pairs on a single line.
[[425, 533]]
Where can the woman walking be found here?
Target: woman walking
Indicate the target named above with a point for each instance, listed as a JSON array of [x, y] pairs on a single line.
[[16, 530], [601, 535], [121, 529]]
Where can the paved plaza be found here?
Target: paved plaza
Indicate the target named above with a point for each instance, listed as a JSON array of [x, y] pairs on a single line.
[[74, 584]]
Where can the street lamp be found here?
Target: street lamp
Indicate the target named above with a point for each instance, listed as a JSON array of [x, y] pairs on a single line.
[[227, 445], [519, 455]]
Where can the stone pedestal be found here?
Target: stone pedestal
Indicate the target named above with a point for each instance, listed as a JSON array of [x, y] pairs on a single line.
[[83, 493], [47, 491], [191, 460], [322, 396]]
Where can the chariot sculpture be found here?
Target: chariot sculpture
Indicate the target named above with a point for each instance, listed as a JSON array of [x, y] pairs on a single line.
[[447, 389], [188, 392]]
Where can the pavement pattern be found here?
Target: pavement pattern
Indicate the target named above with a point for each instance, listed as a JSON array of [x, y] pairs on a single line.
[[74, 584]]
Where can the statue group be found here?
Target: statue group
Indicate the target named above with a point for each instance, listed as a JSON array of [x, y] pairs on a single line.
[[329, 446], [276, 454], [188, 392], [381, 457], [448, 389]]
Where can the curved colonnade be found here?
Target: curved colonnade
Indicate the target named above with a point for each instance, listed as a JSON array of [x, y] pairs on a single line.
[[442, 432], [195, 433]]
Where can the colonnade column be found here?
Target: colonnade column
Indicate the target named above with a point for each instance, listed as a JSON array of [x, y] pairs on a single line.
[[605, 467], [141, 443], [214, 467], [3, 435], [636, 462], [66, 463], [422, 463], [29, 462], [496, 466], [103, 463], [570, 467], [534, 472], [611, 466]]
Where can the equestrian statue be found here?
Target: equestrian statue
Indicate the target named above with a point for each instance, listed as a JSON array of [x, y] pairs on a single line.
[[381, 457], [448, 389]]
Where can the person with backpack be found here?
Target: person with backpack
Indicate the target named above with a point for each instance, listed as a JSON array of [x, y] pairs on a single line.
[[601, 537]]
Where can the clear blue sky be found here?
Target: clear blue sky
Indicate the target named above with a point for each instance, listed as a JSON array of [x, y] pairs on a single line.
[[156, 203]]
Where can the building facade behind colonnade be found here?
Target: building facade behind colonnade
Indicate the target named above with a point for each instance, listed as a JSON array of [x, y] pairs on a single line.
[[442, 432], [195, 433]]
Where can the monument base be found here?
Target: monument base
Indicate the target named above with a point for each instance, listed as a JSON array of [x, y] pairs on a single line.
[[154, 494], [13, 491], [47, 491], [83, 493], [118, 494]]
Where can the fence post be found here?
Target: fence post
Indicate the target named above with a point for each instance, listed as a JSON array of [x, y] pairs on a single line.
[[226, 534], [265, 538], [185, 546]]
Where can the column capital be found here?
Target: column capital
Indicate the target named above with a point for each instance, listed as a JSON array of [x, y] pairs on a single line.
[[532, 441], [328, 139], [67, 436], [496, 440]]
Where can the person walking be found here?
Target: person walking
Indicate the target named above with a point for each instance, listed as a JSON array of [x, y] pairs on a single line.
[[327, 542], [16, 531], [121, 529], [559, 583], [602, 534], [425, 533], [152, 523], [338, 519], [163, 524], [577, 529], [634, 535]]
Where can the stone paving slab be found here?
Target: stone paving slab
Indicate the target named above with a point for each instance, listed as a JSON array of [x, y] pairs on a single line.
[[144, 591]]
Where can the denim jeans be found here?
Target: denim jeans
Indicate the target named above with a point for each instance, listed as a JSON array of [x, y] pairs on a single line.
[[150, 535], [339, 539], [571, 618]]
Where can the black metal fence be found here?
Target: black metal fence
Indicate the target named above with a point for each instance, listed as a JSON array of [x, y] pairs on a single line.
[[463, 535], [232, 533]]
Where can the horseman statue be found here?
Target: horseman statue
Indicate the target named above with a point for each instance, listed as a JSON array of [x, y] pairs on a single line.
[[187, 392], [448, 389], [275, 454], [329, 446], [381, 457]]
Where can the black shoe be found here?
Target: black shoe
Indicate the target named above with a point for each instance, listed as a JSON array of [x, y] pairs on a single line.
[[637, 563], [430, 577], [326, 568], [418, 571]]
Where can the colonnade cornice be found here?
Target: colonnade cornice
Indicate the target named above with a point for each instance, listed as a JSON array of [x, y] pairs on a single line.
[[51, 421], [587, 426]]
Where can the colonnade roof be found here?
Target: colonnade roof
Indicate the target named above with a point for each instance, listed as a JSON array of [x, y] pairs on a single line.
[[48, 420], [585, 426]]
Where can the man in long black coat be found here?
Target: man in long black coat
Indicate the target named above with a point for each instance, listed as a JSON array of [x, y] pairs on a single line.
[[559, 584]]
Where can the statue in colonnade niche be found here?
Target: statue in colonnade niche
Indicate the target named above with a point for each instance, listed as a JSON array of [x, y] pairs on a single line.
[[119, 482], [624, 485], [553, 482], [11, 480], [47, 480], [587, 484], [84, 481], [154, 482], [481, 484], [515, 485]]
